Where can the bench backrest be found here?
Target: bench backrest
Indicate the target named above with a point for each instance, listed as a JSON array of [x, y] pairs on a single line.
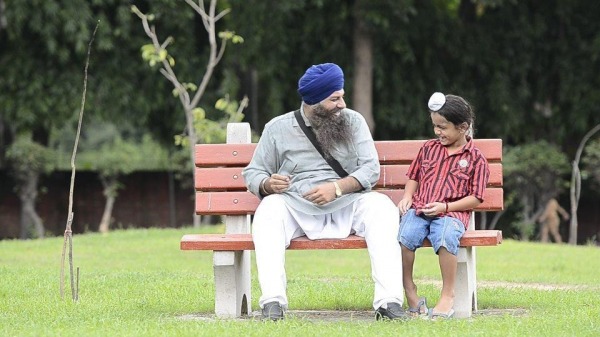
[[220, 187]]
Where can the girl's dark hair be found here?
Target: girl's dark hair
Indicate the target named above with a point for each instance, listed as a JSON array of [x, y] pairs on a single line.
[[457, 110]]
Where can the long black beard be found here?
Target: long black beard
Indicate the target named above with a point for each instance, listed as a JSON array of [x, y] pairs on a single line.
[[329, 128]]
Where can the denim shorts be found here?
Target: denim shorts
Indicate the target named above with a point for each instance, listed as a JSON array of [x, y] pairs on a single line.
[[443, 231]]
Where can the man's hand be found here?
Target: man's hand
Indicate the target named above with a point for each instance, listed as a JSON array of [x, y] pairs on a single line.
[[321, 194], [277, 183]]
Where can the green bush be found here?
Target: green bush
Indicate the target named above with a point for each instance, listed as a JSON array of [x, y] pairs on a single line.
[[25, 155], [591, 162], [534, 173]]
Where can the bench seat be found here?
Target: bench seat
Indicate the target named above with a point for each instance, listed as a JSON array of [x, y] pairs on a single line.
[[236, 242]]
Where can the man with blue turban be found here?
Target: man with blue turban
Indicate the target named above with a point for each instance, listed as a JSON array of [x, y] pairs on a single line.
[[303, 194]]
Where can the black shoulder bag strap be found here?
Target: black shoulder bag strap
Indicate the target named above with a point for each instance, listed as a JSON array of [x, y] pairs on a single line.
[[335, 165]]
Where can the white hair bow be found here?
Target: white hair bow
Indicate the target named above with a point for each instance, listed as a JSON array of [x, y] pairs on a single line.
[[436, 101]]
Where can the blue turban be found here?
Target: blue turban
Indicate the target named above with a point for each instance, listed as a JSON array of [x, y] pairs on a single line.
[[320, 81]]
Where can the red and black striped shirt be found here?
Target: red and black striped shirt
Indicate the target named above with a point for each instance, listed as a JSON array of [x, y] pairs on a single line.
[[447, 178]]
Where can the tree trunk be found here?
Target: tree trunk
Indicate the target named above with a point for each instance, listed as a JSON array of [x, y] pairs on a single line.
[[3, 21], [527, 219], [193, 138], [575, 191], [107, 214], [496, 218], [111, 186], [483, 220], [28, 195], [362, 95], [574, 195]]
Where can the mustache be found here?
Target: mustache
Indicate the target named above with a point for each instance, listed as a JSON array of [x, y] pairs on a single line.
[[322, 117]]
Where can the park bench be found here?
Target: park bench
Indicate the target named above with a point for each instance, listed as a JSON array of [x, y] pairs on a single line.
[[220, 190]]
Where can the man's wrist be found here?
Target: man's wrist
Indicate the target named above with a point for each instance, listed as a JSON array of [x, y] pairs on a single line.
[[338, 190], [262, 189]]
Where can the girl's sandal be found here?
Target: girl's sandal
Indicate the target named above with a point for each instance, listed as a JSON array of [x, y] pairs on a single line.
[[440, 315], [420, 310]]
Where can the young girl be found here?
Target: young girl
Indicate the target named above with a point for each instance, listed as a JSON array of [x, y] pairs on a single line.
[[447, 180]]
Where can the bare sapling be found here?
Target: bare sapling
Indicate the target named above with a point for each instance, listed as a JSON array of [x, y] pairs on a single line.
[[68, 236]]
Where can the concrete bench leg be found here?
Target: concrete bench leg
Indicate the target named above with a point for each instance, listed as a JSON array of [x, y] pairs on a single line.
[[232, 283], [232, 269], [465, 289]]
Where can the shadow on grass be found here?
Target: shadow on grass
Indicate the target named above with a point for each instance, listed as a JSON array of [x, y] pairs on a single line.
[[340, 315]]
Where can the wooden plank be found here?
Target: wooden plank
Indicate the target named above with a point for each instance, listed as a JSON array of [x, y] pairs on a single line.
[[223, 154], [394, 176], [391, 176], [398, 151], [244, 202], [219, 178], [226, 203], [235, 242], [404, 151], [393, 151]]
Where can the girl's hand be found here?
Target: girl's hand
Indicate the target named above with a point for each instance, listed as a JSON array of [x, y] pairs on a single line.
[[404, 205], [434, 209]]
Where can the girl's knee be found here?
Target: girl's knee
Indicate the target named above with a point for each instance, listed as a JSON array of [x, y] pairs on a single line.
[[450, 243], [448, 235]]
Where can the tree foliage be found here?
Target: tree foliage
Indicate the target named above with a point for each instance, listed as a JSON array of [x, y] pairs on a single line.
[[24, 155], [528, 67], [42, 52], [591, 162], [534, 173], [112, 161], [113, 154]]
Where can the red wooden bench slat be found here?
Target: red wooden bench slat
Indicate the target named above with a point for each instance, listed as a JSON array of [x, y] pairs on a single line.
[[244, 202], [235, 242], [223, 154], [403, 151], [394, 176], [391, 176]]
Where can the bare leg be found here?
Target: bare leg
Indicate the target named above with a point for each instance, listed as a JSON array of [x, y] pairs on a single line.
[[410, 288], [554, 225], [544, 232], [448, 266]]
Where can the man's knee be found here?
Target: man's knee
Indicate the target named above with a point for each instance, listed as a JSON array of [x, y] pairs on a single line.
[[269, 213], [376, 197], [377, 203], [271, 202], [381, 212]]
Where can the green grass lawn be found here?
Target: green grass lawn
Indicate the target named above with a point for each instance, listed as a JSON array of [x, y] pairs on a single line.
[[138, 283]]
